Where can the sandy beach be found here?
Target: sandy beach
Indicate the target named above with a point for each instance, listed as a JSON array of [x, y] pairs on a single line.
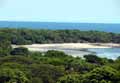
[[34, 47], [74, 49], [72, 45]]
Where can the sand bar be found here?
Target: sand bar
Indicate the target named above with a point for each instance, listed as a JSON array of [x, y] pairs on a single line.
[[70, 45]]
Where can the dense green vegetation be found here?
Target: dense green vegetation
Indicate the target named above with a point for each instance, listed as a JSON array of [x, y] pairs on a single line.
[[29, 36], [21, 66]]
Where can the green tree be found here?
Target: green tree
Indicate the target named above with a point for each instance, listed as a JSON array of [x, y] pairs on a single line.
[[69, 79], [94, 59], [8, 75], [104, 74], [53, 53], [20, 51], [46, 72], [5, 45]]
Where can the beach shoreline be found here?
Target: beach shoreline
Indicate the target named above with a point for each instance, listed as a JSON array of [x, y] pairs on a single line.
[[73, 49], [70, 45]]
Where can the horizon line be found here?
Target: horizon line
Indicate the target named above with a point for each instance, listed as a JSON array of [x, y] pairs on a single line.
[[58, 22]]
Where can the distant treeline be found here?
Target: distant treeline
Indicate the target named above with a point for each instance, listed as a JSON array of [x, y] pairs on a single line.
[[30, 36]]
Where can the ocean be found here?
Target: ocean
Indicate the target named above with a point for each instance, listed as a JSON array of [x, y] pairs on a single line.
[[60, 25]]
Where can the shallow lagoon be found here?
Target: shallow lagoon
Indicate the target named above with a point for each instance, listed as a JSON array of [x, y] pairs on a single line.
[[111, 53]]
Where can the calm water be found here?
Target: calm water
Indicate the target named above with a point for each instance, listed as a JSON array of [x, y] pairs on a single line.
[[111, 53], [53, 25]]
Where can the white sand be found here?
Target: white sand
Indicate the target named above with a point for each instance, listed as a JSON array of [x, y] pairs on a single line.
[[37, 47], [74, 49]]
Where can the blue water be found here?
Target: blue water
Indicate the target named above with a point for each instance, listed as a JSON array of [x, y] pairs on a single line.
[[111, 53], [59, 25]]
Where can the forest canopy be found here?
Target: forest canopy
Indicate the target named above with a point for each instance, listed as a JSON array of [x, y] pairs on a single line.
[[19, 65], [30, 36]]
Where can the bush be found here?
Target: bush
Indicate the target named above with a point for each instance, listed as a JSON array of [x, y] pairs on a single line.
[[93, 59], [8, 75], [20, 51], [69, 79], [98, 75], [53, 53]]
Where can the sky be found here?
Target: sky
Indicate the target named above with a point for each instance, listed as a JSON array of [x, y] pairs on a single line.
[[90, 11]]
